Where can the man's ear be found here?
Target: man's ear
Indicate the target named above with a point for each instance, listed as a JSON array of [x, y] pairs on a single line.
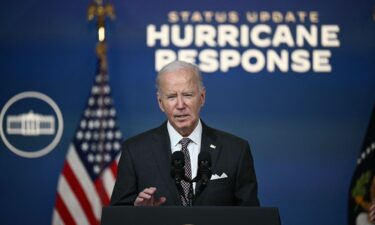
[[203, 96], [160, 102]]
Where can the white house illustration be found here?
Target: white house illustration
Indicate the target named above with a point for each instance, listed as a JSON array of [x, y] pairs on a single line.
[[30, 124]]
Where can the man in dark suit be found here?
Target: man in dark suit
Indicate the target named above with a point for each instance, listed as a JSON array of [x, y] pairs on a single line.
[[144, 177]]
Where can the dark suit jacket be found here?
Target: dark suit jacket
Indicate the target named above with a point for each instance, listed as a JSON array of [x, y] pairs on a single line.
[[146, 162]]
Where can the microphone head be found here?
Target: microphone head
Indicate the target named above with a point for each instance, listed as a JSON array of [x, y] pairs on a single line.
[[204, 167], [204, 157], [178, 159], [178, 163]]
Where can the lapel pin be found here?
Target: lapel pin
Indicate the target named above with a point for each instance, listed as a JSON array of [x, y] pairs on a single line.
[[212, 146]]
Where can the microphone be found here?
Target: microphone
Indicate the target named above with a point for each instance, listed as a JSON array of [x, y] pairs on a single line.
[[178, 174], [177, 169], [204, 171], [204, 167]]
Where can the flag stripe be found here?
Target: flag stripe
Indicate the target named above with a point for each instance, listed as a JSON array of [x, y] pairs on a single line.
[[118, 158], [63, 211], [72, 203], [108, 180], [101, 191], [114, 168], [56, 219], [84, 180], [80, 194]]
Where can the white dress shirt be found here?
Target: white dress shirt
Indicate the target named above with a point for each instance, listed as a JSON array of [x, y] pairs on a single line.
[[194, 146]]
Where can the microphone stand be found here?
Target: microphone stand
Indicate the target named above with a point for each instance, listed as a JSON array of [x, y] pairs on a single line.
[[190, 195]]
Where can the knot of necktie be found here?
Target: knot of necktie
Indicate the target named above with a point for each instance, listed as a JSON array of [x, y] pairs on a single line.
[[185, 142]]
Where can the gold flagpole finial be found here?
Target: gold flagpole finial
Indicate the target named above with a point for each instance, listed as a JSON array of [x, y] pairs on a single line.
[[99, 10]]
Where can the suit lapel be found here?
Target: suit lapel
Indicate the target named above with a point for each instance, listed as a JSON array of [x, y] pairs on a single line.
[[211, 145], [162, 154]]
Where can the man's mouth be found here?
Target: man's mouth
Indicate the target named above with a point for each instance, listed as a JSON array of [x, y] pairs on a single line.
[[184, 116]]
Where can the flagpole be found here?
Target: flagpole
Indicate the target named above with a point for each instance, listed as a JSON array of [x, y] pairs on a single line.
[[99, 11]]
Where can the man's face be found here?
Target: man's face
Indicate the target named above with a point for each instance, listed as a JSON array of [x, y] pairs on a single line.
[[180, 99]]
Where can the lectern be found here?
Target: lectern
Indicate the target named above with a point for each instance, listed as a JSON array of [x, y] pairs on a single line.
[[198, 215]]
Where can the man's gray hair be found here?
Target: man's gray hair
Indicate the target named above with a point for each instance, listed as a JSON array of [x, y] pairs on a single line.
[[180, 65]]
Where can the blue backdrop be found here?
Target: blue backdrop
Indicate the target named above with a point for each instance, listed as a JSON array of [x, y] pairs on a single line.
[[305, 129]]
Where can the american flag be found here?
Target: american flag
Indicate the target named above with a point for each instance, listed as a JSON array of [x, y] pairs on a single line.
[[88, 175], [361, 208]]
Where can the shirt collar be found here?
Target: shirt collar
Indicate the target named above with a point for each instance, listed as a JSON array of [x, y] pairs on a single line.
[[175, 137]]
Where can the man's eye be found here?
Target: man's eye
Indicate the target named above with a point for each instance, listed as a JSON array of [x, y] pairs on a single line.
[[171, 97]]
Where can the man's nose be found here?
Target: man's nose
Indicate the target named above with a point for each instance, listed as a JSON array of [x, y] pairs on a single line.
[[180, 102]]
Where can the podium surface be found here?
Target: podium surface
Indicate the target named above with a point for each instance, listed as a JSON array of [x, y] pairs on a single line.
[[198, 215]]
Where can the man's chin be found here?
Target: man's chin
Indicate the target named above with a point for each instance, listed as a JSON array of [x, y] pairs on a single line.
[[183, 127]]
